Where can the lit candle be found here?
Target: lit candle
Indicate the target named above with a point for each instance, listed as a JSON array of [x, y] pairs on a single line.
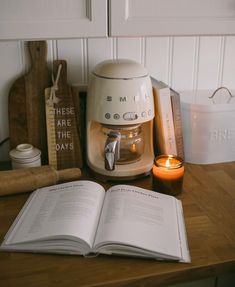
[[168, 173]]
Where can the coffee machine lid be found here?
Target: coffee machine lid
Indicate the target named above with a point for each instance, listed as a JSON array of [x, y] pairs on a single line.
[[120, 69]]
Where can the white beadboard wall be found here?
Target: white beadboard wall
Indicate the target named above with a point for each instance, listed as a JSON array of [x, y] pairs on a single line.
[[185, 63]]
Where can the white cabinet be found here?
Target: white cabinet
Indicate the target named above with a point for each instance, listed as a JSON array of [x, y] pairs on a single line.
[[171, 17], [35, 19], [60, 19]]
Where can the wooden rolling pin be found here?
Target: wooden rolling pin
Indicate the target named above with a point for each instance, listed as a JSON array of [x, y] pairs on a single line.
[[29, 179]]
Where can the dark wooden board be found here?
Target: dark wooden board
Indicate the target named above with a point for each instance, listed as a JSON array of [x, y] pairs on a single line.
[[27, 122]]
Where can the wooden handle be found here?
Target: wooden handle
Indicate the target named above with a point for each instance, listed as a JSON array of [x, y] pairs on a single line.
[[29, 179], [38, 53]]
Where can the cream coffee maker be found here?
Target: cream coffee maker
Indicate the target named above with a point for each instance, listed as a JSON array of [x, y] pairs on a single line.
[[120, 111]]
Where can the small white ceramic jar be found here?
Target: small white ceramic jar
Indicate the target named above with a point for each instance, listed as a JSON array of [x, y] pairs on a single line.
[[24, 156]]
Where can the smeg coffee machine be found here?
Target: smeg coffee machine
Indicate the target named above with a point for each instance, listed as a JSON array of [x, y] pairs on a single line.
[[119, 123]]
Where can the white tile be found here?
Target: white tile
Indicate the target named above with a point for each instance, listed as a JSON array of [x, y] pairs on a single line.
[[183, 63], [72, 51], [129, 48], [229, 63], [157, 54], [209, 63], [99, 49]]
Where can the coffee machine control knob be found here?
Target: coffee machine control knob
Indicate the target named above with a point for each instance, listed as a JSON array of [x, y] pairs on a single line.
[[130, 116]]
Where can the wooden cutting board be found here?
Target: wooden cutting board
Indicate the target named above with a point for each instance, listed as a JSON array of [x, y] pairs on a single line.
[[27, 122], [63, 137]]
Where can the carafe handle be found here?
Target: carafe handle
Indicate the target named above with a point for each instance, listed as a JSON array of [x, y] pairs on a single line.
[[112, 150]]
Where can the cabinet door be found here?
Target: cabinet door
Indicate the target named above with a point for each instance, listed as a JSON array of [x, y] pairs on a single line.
[[171, 17], [35, 19]]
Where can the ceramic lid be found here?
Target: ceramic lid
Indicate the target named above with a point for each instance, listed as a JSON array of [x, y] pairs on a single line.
[[25, 151], [120, 69]]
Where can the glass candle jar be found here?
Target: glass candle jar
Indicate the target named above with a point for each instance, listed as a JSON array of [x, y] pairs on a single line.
[[168, 174]]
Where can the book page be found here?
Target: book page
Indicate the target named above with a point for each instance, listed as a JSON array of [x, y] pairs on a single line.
[[142, 218], [70, 209]]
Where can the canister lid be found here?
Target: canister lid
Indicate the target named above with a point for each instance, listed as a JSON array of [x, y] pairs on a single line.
[[120, 69], [25, 152]]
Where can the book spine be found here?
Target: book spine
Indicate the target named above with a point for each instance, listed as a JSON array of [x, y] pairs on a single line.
[[165, 133], [177, 119]]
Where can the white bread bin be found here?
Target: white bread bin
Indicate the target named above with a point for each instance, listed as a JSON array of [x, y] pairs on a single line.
[[208, 127]]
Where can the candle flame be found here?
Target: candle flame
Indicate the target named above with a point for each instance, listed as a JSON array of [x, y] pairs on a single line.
[[168, 163]]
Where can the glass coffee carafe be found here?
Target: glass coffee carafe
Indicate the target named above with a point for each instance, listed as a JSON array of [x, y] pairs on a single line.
[[123, 145]]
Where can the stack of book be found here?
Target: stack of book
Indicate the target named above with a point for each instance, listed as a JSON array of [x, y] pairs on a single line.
[[168, 131]]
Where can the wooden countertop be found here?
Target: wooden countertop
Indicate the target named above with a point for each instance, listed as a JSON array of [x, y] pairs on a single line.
[[209, 208]]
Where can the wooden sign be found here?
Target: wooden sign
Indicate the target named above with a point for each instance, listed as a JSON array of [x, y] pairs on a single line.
[[63, 140]]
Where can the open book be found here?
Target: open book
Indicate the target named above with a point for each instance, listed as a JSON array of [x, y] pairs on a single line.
[[79, 217]]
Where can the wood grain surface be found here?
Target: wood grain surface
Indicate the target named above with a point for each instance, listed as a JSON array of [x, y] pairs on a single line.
[[27, 123], [209, 207]]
